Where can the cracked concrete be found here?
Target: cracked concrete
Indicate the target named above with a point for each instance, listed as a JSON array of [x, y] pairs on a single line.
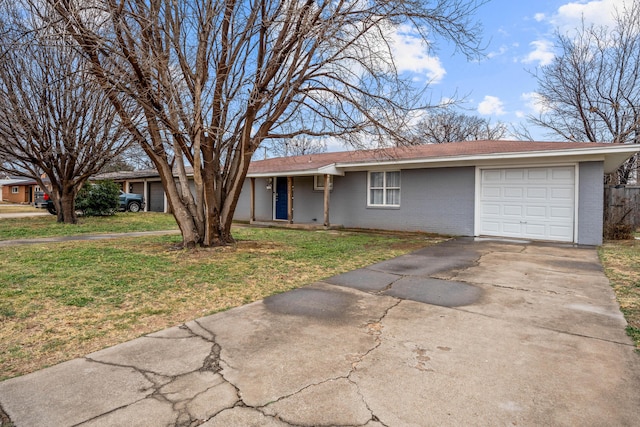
[[463, 333]]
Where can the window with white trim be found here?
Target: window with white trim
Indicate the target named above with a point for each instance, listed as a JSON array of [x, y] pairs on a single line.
[[318, 182], [384, 188], [15, 190]]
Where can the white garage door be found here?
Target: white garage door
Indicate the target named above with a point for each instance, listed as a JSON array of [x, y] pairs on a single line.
[[532, 203]]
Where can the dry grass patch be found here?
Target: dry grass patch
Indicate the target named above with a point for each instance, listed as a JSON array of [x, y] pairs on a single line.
[[12, 208], [64, 300], [621, 260]]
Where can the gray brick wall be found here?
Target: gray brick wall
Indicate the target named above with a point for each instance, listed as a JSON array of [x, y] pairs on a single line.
[[590, 203], [432, 200]]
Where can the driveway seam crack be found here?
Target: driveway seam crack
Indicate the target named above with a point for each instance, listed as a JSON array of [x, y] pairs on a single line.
[[5, 419]]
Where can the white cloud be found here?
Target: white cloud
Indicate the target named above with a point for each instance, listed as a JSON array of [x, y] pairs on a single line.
[[491, 105], [411, 54], [539, 17], [534, 102], [501, 51], [598, 12], [542, 52]]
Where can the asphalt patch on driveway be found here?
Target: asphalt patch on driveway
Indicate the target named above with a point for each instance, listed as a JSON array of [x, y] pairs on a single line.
[[364, 279], [444, 293], [319, 304]]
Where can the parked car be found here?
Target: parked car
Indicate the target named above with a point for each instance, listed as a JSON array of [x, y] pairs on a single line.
[[39, 199], [131, 202]]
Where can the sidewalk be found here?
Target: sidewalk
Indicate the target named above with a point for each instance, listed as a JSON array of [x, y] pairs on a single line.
[[463, 333], [23, 214]]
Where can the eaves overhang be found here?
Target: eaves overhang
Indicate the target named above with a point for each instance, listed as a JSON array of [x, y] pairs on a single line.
[[612, 156], [330, 169]]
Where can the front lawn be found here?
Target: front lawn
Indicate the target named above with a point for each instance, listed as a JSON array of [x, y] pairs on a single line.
[[59, 301], [621, 260]]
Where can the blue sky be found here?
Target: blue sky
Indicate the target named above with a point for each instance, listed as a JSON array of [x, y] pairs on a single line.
[[519, 35]]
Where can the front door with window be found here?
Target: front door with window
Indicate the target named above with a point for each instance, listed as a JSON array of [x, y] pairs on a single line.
[[281, 199]]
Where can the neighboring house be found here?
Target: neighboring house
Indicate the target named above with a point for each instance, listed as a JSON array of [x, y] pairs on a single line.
[[514, 189], [18, 190], [146, 182]]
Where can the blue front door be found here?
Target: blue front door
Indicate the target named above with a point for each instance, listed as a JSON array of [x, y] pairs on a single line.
[[281, 198]]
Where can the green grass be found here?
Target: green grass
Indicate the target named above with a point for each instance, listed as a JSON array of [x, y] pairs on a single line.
[[621, 261], [63, 300], [46, 226]]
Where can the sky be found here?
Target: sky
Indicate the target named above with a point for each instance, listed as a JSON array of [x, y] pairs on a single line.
[[519, 37]]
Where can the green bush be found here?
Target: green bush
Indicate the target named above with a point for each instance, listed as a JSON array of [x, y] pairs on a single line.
[[98, 199]]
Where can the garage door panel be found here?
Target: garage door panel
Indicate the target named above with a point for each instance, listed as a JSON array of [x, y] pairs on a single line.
[[535, 230], [563, 174], [537, 193], [511, 175], [490, 227], [513, 192], [491, 176], [562, 194], [539, 212], [535, 203], [538, 174], [512, 228], [512, 210], [557, 232], [490, 191], [559, 213], [490, 209]]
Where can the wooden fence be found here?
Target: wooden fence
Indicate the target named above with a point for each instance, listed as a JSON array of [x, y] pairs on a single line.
[[622, 205]]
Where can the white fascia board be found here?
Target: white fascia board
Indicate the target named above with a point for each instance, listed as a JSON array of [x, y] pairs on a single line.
[[330, 170], [324, 170], [613, 157]]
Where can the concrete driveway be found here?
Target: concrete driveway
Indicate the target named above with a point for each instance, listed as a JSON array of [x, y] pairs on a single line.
[[463, 333]]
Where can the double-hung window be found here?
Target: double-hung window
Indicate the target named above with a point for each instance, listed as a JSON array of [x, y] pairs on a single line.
[[384, 189]]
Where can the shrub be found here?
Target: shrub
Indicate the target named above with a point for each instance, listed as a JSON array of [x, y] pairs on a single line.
[[98, 199], [618, 231]]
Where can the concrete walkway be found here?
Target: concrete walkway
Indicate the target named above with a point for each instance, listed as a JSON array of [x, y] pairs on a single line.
[[463, 333], [24, 214]]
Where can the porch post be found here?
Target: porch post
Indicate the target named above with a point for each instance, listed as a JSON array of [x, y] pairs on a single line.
[[290, 199], [326, 200], [252, 204]]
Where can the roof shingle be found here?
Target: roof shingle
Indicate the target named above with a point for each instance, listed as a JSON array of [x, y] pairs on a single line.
[[426, 151]]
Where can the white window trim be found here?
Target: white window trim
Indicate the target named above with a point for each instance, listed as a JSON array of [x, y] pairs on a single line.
[[318, 182], [15, 189], [384, 190]]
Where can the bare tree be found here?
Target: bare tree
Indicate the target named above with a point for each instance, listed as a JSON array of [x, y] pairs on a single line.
[[56, 126], [297, 146], [135, 157], [446, 125], [591, 91], [216, 78]]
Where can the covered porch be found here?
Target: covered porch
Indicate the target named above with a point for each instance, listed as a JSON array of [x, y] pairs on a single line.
[[289, 194]]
